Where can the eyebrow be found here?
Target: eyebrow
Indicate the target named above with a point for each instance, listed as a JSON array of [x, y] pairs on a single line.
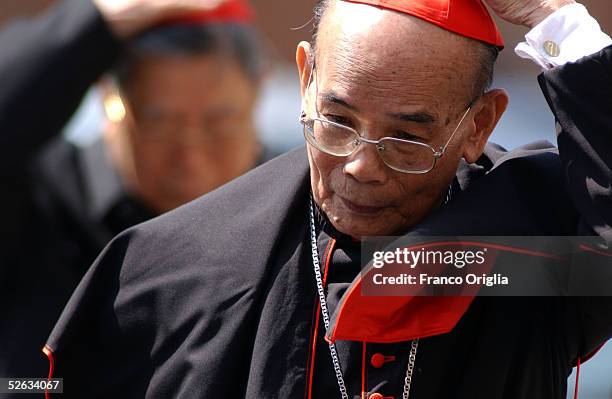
[[418, 117], [331, 97]]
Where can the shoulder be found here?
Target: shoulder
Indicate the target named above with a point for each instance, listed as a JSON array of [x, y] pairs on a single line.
[[522, 190], [542, 149], [541, 155], [213, 251], [244, 215]]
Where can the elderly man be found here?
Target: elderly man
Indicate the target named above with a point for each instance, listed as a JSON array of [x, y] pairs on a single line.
[[232, 295], [181, 123]]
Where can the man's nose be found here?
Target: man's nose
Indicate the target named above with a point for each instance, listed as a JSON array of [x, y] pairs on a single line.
[[366, 165], [191, 136]]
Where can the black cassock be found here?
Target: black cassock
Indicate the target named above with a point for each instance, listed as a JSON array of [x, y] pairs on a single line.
[[218, 298]]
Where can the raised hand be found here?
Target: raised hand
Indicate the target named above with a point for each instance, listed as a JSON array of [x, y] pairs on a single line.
[[528, 13], [128, 17]]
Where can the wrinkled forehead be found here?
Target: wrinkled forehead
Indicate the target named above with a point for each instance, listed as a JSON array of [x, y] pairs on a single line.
[[367, 53]]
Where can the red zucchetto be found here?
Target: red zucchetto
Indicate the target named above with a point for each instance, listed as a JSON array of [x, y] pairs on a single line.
[[230, 11], [469, 18]]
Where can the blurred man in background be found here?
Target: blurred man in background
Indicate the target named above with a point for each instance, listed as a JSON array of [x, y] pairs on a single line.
[[180, 123]]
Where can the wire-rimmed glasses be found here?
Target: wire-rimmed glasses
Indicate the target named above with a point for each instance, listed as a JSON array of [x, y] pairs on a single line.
[[401, 155]]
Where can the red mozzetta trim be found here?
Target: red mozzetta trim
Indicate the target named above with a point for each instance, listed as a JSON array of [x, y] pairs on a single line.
[[363, 372], [49, 353], [590, 355], [587, 248], [313, 345], [311, 350], [500, 247], [389, 319], [404, 318]]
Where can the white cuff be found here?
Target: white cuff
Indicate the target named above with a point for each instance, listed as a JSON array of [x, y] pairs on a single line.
[[566, 35]]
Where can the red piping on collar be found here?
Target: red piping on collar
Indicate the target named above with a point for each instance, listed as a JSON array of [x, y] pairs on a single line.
[[49, 353], [363, 371]]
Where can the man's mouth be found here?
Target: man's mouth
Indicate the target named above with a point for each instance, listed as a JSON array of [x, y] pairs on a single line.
[[361, 209]]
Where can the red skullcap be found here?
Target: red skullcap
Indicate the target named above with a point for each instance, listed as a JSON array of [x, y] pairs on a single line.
[[230, 11], [468, 18]]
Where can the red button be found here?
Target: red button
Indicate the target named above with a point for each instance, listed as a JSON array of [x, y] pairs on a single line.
[[378, 360], [379, 396]]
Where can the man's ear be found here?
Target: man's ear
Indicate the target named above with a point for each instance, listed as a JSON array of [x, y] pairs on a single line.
[[303, 60], [487, 112]]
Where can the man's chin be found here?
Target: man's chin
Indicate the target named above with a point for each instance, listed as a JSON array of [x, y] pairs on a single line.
[[356, 221], [355, 229], [170, 202]]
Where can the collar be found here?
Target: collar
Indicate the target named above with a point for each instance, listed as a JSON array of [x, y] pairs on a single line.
[[389, 319]]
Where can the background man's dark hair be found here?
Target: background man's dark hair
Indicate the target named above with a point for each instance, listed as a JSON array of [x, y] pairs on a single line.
[[485, 54], [238, 42]]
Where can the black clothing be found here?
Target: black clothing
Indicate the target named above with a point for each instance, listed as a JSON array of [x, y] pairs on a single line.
[[62, 203], [218, 298], [48, 233]]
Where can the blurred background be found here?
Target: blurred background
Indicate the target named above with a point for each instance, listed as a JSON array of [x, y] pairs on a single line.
[[527, 119]]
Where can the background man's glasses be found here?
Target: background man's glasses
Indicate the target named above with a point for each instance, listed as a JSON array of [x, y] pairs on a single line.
[[222, 128]]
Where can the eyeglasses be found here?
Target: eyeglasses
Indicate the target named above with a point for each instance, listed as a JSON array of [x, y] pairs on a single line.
[[219, 129], [405, 156]]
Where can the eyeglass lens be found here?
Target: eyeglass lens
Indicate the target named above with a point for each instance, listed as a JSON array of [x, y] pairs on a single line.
[[338, 140]]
